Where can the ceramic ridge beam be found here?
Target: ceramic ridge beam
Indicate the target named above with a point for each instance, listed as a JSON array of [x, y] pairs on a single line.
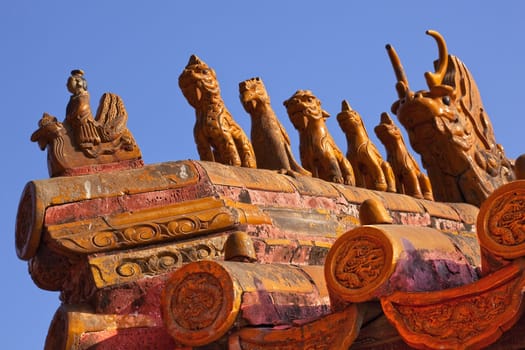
[[40, 195], [66, 199], [152, 225]]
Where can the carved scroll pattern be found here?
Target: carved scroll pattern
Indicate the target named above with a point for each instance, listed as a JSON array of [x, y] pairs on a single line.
[[359, 262], [126, 267], [145, 233], [166, 260], [458, 320], [506, 220], [197, 301]]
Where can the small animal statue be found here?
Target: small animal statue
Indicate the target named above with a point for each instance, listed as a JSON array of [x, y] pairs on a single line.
[[83, 141], [218, 137], [370, 169], [409, 178], [319, 153], [270, 141], [448, 126], [51, 133]]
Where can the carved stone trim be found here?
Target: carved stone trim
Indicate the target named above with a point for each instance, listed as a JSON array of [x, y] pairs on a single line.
[[474, 315], [124, 267], [153, 225]]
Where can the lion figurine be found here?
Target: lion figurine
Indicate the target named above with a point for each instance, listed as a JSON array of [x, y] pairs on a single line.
[[218, 137], [319, 153], [269, 138]]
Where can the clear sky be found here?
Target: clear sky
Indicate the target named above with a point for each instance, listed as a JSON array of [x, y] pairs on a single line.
[[137, 49]]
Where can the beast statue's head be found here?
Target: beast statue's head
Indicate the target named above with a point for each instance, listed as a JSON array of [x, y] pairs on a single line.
[[49, 128], [349, 120], [198, 80], [387, 131], [304, 106], [253, 95]]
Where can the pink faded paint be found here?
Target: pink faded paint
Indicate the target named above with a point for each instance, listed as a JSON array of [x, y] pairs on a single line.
[[93, 208], [98, 168], [418, 271], [414, 219], [264, 308]]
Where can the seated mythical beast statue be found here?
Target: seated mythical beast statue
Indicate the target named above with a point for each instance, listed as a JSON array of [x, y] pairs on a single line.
[[218, 137], [269, 138], [409, 178], [371, 170], [319, 152]]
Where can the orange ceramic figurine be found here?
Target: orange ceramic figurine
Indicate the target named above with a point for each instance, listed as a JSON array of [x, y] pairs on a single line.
[[82, 143], [409, 178], [449, 127], [218, 137], [269, 138], [319, 153], [371, 170]]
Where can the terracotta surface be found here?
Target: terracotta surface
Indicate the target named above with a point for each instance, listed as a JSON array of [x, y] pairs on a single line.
[[472, 316], [109, 244]]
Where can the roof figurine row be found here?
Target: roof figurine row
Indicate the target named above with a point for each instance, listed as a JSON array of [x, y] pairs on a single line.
[[446, 125], [219, 138]]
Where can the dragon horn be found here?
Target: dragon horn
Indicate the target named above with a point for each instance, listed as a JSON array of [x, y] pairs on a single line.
[[434, 79], [402, 81]]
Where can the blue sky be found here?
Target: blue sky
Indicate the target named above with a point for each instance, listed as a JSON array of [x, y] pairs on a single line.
[[137, 49]]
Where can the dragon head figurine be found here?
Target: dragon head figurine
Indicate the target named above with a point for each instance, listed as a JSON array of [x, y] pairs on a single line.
[[448, 126]]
